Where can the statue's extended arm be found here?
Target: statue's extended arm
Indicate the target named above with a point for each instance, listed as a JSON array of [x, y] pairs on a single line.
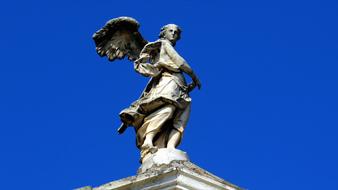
[[183, 66], [196, 82]]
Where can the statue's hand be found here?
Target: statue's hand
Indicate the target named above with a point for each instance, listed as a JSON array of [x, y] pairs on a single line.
[[195, 82]]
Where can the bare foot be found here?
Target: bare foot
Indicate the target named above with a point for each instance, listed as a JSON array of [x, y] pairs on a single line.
[[146, 146], [147, 149]]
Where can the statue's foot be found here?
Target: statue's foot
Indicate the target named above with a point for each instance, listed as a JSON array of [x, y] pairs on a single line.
[[153, 149], [146, 146], [146, 150]]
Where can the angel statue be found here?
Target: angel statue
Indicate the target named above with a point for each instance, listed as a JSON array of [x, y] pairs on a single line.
[[161, 113]]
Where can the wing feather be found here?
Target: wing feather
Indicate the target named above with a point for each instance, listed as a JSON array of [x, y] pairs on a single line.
[[119, 38]]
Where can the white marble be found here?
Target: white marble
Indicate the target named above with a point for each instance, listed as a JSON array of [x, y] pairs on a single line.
[[164, 172], [162, 156]]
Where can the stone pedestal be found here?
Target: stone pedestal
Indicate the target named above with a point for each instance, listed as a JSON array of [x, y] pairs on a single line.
[[168, 169]]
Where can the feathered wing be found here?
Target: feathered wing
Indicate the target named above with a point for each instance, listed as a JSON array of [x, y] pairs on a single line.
[[119, 38]]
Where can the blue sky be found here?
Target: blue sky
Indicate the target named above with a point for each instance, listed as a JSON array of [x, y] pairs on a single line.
[[266, 117]]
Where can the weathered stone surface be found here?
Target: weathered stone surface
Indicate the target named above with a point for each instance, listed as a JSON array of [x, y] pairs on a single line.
[[161, 113], [85, 188], [163, 156], [163, 172]]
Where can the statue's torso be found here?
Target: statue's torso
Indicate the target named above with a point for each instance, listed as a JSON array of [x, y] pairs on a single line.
[[169, 85]]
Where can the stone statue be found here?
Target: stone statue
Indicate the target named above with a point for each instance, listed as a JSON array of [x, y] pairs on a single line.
[[161, 113]]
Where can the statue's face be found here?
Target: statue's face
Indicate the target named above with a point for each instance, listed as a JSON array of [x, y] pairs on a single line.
[[172, 33]]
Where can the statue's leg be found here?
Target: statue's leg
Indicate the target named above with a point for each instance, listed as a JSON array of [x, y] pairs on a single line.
[[154, 122], [148, 142], [174, 138], [179, 123]]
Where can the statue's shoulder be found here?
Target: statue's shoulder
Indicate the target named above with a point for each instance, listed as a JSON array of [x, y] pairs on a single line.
[[155, 43], [159, 42], [153, 46]]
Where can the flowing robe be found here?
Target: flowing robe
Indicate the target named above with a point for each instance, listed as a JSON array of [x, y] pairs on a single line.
[[167, 87]]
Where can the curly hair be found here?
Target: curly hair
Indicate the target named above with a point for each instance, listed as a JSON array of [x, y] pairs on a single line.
[[164, 28]]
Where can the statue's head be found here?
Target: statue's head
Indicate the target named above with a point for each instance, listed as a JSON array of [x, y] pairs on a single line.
[[171, 32]]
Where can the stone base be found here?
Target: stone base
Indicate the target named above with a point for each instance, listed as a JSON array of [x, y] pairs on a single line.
[[163, 156], [168, 170]]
